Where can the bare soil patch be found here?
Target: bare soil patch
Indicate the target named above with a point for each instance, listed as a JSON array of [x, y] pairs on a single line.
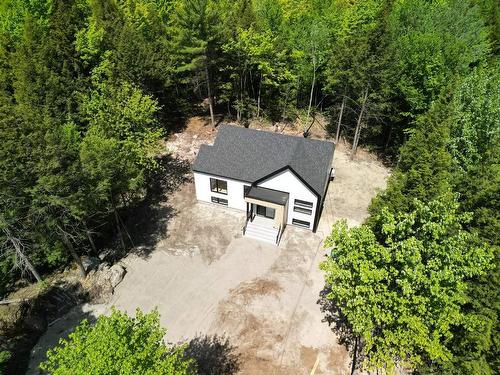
[[199, 228], [356, 183], [206, 279], [185, 144]]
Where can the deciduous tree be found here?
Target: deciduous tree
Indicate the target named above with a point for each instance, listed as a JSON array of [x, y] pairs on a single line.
[[118, 344], [402, 290]]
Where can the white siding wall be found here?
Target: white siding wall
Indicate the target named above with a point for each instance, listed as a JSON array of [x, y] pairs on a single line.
[[286, 181], [234, 191]]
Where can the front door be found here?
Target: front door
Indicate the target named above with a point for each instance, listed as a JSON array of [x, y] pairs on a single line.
[[265, 211]]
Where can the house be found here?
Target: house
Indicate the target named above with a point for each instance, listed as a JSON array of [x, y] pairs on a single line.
[[276, 179]]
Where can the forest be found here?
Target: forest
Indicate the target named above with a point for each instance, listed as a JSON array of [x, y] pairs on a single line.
[[88, 88]]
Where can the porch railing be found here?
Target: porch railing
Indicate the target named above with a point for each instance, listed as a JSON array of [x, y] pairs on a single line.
[[278, 235]]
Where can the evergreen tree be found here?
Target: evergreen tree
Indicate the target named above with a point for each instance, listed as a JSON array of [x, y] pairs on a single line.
[[424, 169], [475, 117], [196, 33]]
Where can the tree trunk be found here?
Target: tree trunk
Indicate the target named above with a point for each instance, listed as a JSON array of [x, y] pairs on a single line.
[[91, 241], [306, 133], [252, 84], [358, 126], [354, 355], [117, 222], [126, 231], [118, 228], [388, 139], [239, 100], [312, 89], [30, 265], [283, 113], [209, 90], [337, 135], [73, 253], [258, 97], [19, 252]]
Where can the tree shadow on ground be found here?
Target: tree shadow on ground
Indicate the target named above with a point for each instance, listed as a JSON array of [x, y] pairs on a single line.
[[214, 355], [340, 326], [147, 221], [42, 321]]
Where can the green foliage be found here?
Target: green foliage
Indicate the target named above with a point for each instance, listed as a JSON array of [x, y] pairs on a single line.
[[475, 346], [357, 37], [479, 193], [13, 13], [431, 42], [121, 142], [476, 116], [257, 57], [127, 41], [118, 344], [402, 290], [68, 76], [196, 33], [423, 171], [87, 88], [4, 357], [454, 147]]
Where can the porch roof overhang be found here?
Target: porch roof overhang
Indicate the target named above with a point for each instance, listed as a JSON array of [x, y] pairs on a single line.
[[267, 195]]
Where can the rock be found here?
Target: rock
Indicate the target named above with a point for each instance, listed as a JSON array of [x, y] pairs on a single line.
[[100, 290], [185, 252], [195, 251], [105, 254], [116, 274], [100, 284], [90, 263], [103, 266]]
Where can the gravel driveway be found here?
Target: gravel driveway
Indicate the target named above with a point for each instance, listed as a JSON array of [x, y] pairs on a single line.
[[206, 279]]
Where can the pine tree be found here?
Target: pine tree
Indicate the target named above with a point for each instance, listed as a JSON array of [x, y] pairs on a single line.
[[424, 169]]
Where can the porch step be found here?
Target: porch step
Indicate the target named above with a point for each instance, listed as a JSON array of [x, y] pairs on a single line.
[[261, 231]]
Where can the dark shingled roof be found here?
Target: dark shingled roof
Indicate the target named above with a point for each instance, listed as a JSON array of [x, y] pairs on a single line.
[[250, 155]]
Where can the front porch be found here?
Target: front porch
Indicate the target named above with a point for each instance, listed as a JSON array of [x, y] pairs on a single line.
[[266, 214]]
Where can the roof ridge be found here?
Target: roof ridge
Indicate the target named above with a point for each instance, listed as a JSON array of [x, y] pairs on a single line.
[[274, 133], [298, 149]]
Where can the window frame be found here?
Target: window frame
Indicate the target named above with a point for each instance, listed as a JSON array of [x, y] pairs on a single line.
[[217, 189], [301, 223], [246, 189], [301, 210], [303, 204], [217, 200]]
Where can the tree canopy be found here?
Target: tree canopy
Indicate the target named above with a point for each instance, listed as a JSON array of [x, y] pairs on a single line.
[[401, 290], [88, 88], [118, 344]]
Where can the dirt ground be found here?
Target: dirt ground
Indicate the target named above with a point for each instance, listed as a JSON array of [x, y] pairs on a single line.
[[206, 279]]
